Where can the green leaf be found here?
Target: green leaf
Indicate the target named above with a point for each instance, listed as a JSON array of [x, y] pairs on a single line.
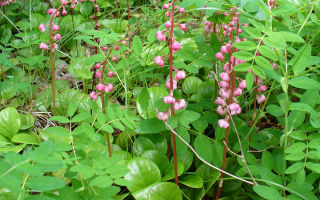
[[315, 119], [242, 67], [9, 122], [243, 55], [137, 45], [313, 167], [151, 126], [25, 138], [95, 59], [141, 145], [296, 147], [267, 160], [258, 71], [193, 181], [101, 181], [275, 40], [84, 170], [301, 107], [246, 45], [264, 63], [291, 37], [45, 183], [27, 121], [295, 156], [159, 158], [144, 99], [191, 84], [170, 174], [159, 191], [60, 119], [81, 117], [253, 32], [142, 173], [203, 146], [72, 108], [267, 192], [304, 83], [267, 52], [295, 168], [301, 60], [249, 81], [185, 117]]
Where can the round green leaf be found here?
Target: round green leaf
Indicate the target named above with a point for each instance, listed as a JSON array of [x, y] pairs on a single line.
[[193, 181], [191, 85], [141, 145], [160, 159], [160, 191], [27, 121], [25, 138], [9, 122], [142, 173]]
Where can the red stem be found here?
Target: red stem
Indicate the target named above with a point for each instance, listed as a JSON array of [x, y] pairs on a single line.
[[171, 93], [129, 34], [218, 194], [102, 99]]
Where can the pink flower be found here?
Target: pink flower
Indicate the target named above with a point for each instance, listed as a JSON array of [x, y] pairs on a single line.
[[167, 24], [224, 50], [176, 46], [159, 61], [50, 11], [220, 56], [262, 88], [55, 46], [261, 99], [208, 23], [63, 2], [225, 76], [97, 65], [161, 36], [237, 92], [98, 74], [233, 106], [64, 13], [165, 6], [110, 74], [108, 88], [223, 123], [220, 101], [224, 84], [236, 112], [168, 84], [55, 27], [224, 93], [180, 104], [242, 84], [104, 48], [100, 87], [114, 58], [168, 14], [169, 100], [221, 110], [162, 116], [180, 75], [182, 10], [183, 27], [93, 95], [42, 28], [117, 48], [57, 37], [43, 46]]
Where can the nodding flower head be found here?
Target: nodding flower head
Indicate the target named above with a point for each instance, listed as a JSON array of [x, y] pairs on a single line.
[[108, 88], [261, 99], [242, 84], [161, 36], [93, 95], [159, 61], [225, 76], [117, 48], [43, 46], [42, 28], [110, 74], [169, 100], [167, 24], [221, 110], [220, 56], [97, 66], [57, 37], [262, 88], [180, 75], [165, 6], [114, 58], [180, 104], [168, 84], [182, 10], [224, 84], [223, 123], [233, 106], [183, 27], [100, 87], [176, 46], [237, 92], [64, 13], [220, 101], [55, 27], [162, 116], [98, 74]]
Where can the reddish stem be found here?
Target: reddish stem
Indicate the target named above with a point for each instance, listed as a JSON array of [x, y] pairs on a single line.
[[171, 93], [218, 194], [102, 99], [96, 48], [129, 34]]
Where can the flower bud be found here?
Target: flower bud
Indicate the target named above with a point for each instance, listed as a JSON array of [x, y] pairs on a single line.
[[108, 88], [161, 36], [98, 74], [242, 84], [100, 87], [221, 110], [220, 56], [183, 27], [162, 116], [223, 123], [93, 95], [159, 61], [261, 99], [262, 88], [180, 75], [110, 74], [169, 100], [168, 84], [97, 65]]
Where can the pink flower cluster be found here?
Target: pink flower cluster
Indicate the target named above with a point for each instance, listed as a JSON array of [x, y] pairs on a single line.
[[177, 104], [6, 2], [227, 102]]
